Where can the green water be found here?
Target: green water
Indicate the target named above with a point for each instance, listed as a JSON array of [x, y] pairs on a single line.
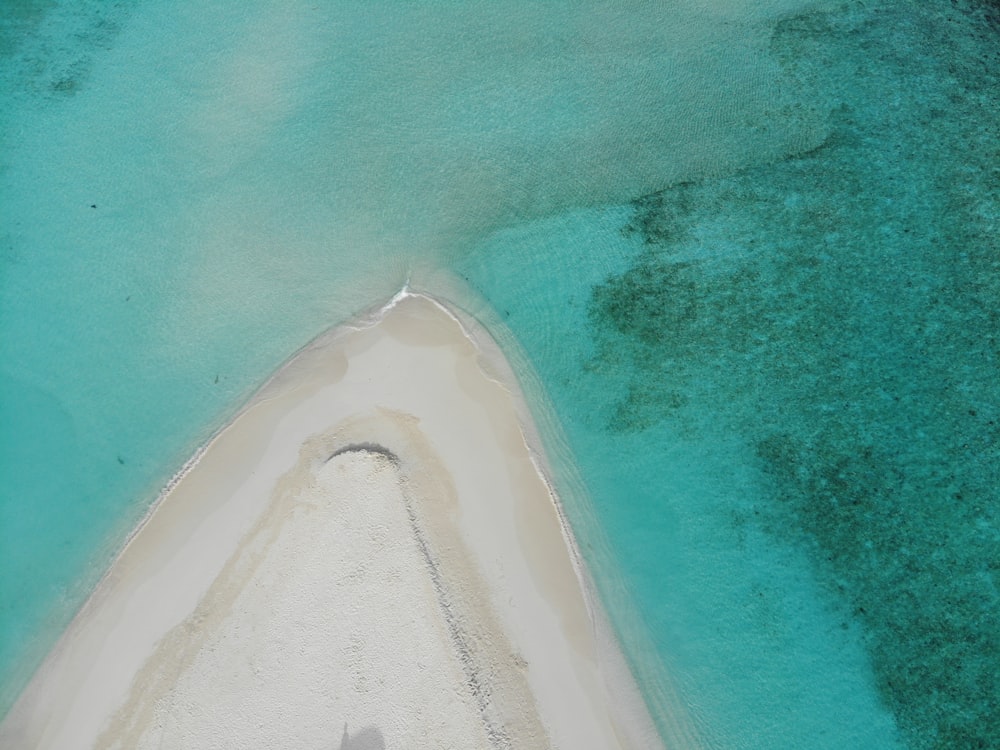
[[748, 249]]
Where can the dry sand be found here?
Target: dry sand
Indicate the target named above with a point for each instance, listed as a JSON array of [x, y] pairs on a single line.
[[369, 556]]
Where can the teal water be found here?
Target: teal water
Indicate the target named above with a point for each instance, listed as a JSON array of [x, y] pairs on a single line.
[[748, 248]]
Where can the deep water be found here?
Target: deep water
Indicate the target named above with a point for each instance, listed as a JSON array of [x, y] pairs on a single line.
[[749, 249]]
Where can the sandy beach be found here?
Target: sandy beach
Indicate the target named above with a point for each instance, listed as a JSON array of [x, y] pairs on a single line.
[[368, 556]]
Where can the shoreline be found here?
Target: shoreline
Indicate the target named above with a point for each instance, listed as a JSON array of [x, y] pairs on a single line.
[[413, 395]]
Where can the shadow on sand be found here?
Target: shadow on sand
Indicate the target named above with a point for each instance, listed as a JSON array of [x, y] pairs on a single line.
[[368, 738]]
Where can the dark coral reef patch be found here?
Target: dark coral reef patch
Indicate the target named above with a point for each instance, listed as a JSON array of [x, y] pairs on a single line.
[[840, 310]]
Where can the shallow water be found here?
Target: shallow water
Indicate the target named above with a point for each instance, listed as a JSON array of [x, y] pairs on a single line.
[[748, 248]]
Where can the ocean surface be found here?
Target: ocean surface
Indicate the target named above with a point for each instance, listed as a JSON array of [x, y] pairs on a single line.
[[744, 253]]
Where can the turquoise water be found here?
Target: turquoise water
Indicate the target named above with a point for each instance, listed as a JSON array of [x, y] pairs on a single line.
[[749, 249]]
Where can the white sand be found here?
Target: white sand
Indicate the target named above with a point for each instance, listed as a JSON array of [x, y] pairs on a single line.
[[367, 557]]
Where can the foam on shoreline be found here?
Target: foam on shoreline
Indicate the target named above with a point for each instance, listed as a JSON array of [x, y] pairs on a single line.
[[371, 551]]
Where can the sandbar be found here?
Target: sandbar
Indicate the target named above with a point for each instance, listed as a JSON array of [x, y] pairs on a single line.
[[369, 556]]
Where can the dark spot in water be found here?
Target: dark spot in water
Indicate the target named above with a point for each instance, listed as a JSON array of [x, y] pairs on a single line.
[[65, 85], [53, 60]]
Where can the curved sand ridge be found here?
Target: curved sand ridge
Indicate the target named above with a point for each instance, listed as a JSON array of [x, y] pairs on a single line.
[[367, 557]]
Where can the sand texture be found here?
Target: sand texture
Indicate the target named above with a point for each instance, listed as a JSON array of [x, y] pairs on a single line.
[[369, 556]]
